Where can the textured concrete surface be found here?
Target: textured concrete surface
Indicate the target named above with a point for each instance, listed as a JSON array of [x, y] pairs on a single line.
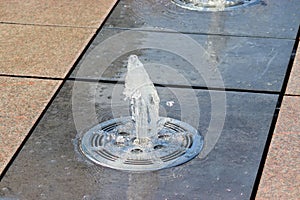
[[40, 50], [44, 39], [289, 117], [293, 87], [281, 174], [22, 101], [84, 13]]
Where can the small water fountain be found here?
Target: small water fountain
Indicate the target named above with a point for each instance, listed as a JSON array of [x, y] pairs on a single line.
[[143, 141], [213, 5]]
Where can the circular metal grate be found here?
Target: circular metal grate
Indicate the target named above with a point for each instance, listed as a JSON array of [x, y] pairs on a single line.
[[113, 144], [208, 5]]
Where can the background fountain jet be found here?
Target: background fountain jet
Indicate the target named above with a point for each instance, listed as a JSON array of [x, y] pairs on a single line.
[[213, 5]]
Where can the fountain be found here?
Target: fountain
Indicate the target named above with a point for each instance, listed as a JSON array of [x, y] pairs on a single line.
[[143, 141], [213, 5], [143, 98]]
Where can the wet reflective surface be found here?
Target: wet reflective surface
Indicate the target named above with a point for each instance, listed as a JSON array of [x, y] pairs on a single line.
[[271, 18], [221, 61], [49, 167]]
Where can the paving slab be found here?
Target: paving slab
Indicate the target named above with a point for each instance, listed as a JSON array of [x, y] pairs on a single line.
[[293, 87], [288, 119], [281, 174], [22, 101], [194, 60], [40, 50], [50, 166], [268, 18], [85, 13]]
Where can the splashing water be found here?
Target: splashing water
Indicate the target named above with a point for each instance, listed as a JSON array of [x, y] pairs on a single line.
[[213, 5], [143, 141], [144, 100], [218, 4]]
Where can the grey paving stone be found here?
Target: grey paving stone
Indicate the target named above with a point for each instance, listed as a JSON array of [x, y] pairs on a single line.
[[197, 60], [50, 167], [274, 18]]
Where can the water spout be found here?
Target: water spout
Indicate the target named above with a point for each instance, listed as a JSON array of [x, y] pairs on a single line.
[[143, 141], [144, 100]]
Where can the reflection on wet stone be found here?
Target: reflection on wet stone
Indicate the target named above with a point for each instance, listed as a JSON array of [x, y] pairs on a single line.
[[241, 62]]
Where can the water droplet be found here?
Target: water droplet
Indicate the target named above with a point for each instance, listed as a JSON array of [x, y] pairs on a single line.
[[86, 197], [43, 196], [170, 103]]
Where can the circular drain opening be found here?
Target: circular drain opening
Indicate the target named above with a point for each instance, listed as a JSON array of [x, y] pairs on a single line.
[[107, 144], [159, 146], [214, 5], [136, 151], [124, 134]]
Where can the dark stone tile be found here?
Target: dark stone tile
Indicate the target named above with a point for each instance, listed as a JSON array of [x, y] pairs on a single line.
[[198, 60], [50, 167], [274, 18]]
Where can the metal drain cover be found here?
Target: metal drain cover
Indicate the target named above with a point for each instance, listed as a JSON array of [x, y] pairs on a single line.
[[213, 5], [110, 144]]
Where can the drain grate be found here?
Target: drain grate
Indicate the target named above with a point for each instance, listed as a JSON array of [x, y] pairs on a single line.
[[214, 5], [110, 144]]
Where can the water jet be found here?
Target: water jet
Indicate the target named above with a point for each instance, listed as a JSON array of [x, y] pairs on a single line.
[[143, 141]]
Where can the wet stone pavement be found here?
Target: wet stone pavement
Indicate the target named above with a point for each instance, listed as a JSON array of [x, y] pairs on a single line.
[[270, 18], [225, 77], [50, 166], [245, 63]]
